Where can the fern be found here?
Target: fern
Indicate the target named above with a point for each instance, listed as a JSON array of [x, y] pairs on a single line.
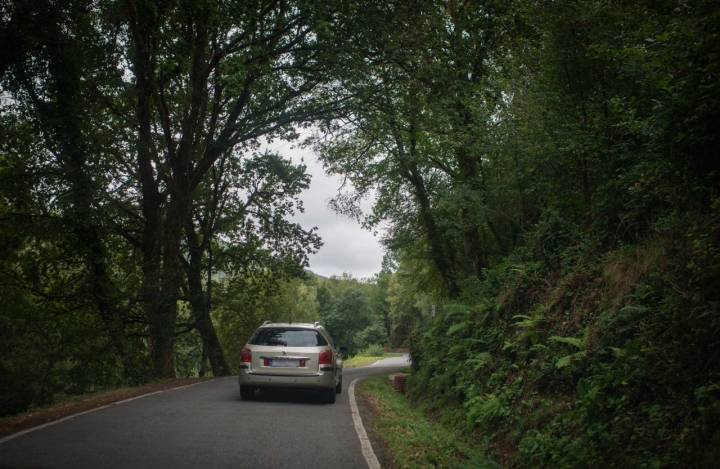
[[576, 342], [568, 360]]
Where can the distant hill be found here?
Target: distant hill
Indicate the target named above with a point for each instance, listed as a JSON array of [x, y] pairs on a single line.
[[313, 274]]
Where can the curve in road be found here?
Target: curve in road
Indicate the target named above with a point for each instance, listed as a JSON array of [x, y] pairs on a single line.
[[205, 425]]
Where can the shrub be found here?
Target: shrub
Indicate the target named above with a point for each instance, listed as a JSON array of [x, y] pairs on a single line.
[[372, 350], [373, 334]]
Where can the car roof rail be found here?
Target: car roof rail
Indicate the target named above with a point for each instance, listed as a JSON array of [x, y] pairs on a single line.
[[317, 324], [266, 322]]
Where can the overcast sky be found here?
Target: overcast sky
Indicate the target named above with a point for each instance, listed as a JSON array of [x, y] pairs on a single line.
[[347, 248]]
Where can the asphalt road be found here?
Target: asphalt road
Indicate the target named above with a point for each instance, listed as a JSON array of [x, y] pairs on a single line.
[[203, 426]]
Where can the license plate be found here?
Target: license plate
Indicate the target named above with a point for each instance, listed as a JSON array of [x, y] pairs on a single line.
[[284, 362]]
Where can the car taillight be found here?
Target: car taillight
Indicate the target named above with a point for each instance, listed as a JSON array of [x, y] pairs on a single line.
[[246, 355], [325, 358]]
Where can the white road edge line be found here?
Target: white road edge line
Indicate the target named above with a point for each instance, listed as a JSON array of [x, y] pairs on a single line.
[[365, 445], [70, 417]]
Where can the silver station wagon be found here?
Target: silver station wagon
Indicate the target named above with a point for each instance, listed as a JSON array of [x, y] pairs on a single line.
[[291, 355]]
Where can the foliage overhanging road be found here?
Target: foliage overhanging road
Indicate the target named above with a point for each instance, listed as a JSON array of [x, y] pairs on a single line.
[[206, 425]]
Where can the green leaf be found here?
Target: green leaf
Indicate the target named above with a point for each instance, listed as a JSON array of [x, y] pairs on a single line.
[[460, 327], [574, 341], [567, 360]]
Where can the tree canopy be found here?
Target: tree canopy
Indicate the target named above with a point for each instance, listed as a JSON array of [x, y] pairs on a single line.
[[545, 176]]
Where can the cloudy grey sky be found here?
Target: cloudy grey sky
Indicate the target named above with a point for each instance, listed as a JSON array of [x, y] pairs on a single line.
[[347, 248]]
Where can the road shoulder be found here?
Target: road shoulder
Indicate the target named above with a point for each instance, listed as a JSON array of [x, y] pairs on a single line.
[[23, 422], [379, 445], [405, 436]]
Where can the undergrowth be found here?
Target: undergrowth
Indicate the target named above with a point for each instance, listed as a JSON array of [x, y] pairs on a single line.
[[588, 357], [414, 440]]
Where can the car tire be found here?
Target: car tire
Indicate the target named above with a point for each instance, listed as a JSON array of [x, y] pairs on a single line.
[[247, 393], [338, 388], [330, 396]]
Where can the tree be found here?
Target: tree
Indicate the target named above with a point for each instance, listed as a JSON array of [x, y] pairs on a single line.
[[212, 78], [244, 207], [58, 48], [418, 132], [349, 315], [142, 107]]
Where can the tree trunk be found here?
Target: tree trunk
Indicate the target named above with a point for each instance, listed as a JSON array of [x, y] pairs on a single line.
[[162, 324], [143, 25], [441, 256], [202, 371], [84, 226], [470, 171], [63, 122], [472, 246], [201, 306]]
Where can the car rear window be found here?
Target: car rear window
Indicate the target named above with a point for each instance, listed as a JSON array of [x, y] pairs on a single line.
[[289, 337]]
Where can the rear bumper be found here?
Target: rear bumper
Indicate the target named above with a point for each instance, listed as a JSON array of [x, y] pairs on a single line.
[[321, 380]]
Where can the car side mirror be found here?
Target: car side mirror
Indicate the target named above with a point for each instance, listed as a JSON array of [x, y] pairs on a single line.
[[343, 351]]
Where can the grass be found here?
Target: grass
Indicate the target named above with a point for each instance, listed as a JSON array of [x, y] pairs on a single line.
[[410, 437], [360, 360], [365, 360]]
